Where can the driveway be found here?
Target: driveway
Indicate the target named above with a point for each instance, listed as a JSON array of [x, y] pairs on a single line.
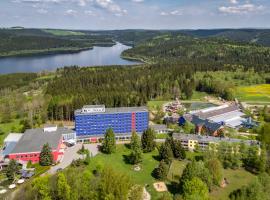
[[71, 154]]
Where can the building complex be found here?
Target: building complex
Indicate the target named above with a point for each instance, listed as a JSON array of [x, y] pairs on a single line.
[[211, 121], [192, 141], [92, 121]]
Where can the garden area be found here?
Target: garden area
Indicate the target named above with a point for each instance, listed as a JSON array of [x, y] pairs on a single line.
[[118, 162], [236, 178]]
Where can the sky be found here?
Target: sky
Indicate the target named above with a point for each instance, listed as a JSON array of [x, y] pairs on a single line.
[[135, 14]]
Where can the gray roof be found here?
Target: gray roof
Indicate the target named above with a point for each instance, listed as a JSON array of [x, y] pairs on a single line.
[[94, 106], [200, 138], [13, 137], [9, 146], [34, 139], [205, 115], [158, 126], [115, 110], [210, 125]]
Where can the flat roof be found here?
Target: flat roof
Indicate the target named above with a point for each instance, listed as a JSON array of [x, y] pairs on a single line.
[[34, 139], [13, 137], [94, 106], [180, 136], [158, 126], [115, 110], [227, 116], [213, 113]]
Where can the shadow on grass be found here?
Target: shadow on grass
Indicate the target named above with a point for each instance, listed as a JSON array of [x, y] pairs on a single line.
[[173, 187], [156, 157], [126, 159], [127, 146]]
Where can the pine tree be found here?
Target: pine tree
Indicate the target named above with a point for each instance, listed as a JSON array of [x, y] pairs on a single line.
[[161, 171], [109, 143], [135, 156], [46, 157], [12, 169], [179, 151], [148, 140], [165, 152]]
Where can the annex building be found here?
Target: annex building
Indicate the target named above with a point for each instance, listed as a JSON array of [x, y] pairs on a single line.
[[29, 145], [92, 121]]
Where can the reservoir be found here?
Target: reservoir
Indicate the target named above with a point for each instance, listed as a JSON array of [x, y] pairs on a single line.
[[97, 56]]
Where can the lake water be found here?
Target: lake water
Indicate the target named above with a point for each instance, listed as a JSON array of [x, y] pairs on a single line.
[[95, 57]]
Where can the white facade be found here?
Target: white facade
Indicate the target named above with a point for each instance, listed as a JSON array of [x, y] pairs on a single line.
[[93, 109]]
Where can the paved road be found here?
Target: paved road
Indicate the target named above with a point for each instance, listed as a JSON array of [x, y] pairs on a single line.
[[71, 154]]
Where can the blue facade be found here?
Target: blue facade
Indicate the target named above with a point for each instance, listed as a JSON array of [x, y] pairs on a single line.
[[88, 124]]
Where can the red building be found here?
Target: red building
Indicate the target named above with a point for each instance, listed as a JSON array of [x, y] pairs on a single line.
[[30, 145]]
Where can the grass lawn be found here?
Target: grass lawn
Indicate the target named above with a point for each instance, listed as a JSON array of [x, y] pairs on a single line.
[[117, 162], [197, 96], [153, 105], [236, 179], [7, 127], [176, 170], [254, 93], [162, 136]]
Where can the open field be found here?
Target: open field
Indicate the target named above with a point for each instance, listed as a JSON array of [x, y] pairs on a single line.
[[63, 32], [236, 179], [254, 93]]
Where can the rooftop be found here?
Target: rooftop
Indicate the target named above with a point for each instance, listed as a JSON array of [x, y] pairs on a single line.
[[217, 112], [34, 139], [13, 137], [115, 110], [200, 138], [158, 126], [94, 106]]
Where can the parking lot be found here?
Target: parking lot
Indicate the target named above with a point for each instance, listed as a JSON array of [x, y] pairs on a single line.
[[71, 154]]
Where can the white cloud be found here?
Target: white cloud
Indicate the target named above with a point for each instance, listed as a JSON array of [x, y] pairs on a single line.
[[137, 1], [89, 12], [174, 12], [110, 6], [233, 1], [71, 12], [164, 13], [241, 9], [42, 11], [78, 2]]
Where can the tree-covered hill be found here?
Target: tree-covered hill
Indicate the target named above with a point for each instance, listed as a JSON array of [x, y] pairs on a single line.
[[256, 36], [188, 49], [17, 42]]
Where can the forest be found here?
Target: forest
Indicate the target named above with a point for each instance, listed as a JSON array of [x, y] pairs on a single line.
[[179, 48], [24, 42], [20, 41]]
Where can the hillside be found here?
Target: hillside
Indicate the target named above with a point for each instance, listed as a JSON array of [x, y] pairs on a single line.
[[256, 36], [20, 42], [188, 49]]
